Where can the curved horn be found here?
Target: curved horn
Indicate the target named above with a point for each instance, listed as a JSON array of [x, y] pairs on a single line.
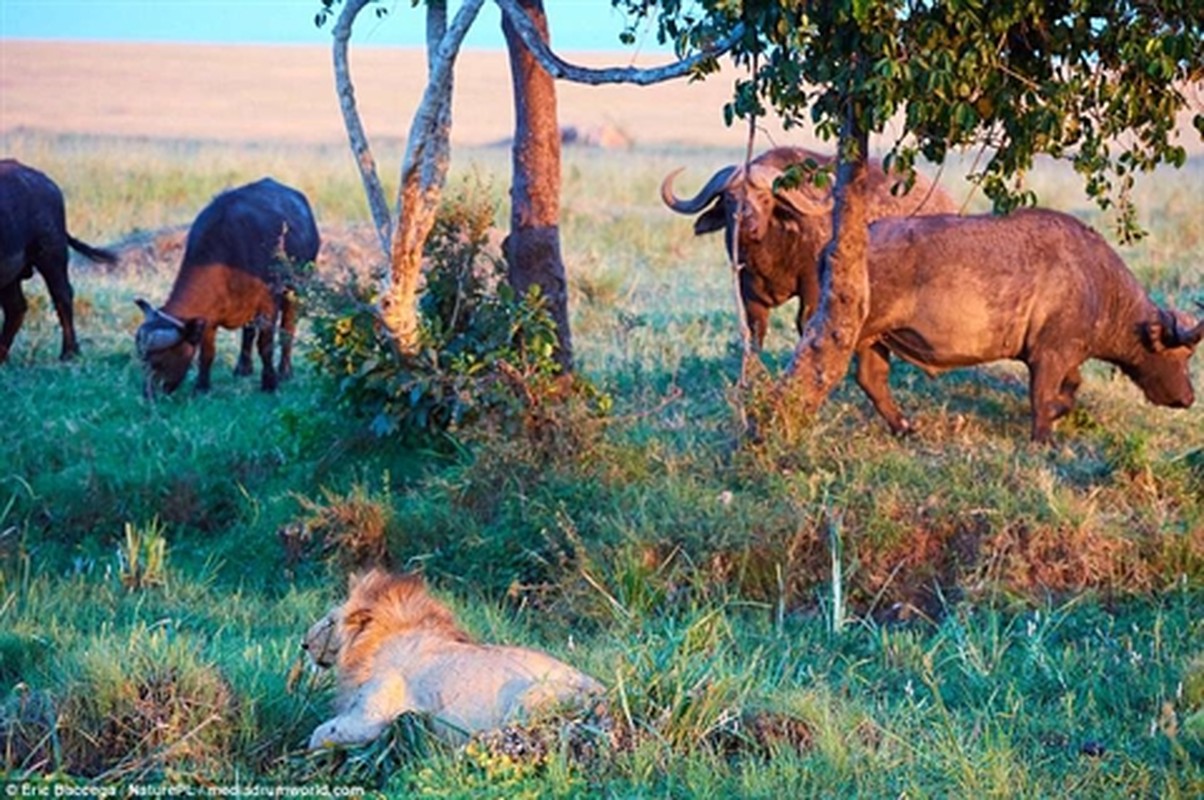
[[151, 339], [153, 314], [1176, 329], [1192, 336], [698, 202]]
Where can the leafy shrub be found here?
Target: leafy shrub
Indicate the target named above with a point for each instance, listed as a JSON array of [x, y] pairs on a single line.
[[486, 355]]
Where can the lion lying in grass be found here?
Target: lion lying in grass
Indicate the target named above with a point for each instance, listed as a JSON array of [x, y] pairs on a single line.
[[397, 649]]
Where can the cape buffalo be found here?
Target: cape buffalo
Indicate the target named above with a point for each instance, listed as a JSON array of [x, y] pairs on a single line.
[[782, 233], [1036, 286], [33, 235], [237, 273]]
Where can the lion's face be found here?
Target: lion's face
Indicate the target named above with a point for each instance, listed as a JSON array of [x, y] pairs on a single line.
[[322, 641], [379, 606]]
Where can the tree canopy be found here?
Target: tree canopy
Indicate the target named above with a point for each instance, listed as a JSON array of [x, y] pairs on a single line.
[[1098, 82]]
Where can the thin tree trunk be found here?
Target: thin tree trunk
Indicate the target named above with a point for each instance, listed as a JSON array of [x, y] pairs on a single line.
[[423, 173], [822, 357], [533, 246], [358, 139]]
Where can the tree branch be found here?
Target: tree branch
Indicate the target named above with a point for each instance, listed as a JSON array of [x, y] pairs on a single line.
[[360, 148], [561, 69], [438, 87]]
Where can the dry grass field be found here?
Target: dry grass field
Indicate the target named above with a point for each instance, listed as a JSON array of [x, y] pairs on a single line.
[[286, 94], [237, 93]]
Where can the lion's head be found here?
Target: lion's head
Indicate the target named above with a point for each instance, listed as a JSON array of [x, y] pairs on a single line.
[[321, 642], [379, 606]]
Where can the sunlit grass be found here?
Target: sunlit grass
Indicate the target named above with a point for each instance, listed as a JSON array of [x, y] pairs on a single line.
[[1019, 621]]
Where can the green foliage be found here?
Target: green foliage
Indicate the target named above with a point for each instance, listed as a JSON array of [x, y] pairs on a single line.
[[486, 354], [1094, 81]]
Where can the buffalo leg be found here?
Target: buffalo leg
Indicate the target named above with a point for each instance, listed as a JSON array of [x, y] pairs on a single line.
[[1070, 386], [808, 297], [288, 330], [1051, 390], [208, 351], [756, 316], [265, 343], [244, 365], [53, 267], [12, 300], [873, 376], [756, 312]]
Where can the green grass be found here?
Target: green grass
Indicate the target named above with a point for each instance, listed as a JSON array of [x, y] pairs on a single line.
[[1019, 621]]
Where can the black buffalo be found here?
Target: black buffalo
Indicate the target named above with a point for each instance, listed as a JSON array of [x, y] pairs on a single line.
[[238, 272], [33, 235]]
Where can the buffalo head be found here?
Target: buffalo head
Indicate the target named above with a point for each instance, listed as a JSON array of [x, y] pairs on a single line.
[[756, 194], [166, 345], [1163, 371]]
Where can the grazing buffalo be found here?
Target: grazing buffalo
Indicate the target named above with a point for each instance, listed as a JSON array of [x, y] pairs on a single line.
[[33, 235], [237, 273], [1036, 286], [782, 233]]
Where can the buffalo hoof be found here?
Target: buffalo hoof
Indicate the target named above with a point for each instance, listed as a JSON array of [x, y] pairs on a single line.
[[242, 370]]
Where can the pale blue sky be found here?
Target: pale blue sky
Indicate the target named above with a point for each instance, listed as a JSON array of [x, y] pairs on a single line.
[[576, 24]]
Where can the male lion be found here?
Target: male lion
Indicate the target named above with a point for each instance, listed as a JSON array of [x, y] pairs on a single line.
[[397, 649]]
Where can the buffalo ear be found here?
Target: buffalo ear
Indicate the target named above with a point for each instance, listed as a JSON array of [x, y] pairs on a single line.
[[1153, 334], [194, 329], [713, 219]]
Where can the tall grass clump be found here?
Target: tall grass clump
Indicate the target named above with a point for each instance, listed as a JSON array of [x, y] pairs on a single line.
[[128, 707], [142, 556]]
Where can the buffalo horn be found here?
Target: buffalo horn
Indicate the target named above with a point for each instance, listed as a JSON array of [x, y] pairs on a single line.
[[154, 314], [1193, 336], [714, 187], [1180, 330], [151, 339]]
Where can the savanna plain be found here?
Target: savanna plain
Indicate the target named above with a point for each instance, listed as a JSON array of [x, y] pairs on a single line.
[[821, 612]]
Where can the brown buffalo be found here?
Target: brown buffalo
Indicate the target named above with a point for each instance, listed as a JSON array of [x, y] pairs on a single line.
[[237, 273], [1036, 286], [33, 235], [782, 234]]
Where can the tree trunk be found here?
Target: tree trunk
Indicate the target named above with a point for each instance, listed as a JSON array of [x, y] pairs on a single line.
[[533, 247], [423, 172], [822, 357], [360, 149]]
